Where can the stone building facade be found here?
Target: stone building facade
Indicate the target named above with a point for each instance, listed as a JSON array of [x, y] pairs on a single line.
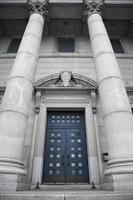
[[66, 94]]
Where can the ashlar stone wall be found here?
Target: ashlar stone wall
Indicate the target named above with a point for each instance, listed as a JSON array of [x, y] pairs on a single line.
[[50, 62]]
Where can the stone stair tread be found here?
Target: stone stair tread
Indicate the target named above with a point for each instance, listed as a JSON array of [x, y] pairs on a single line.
[[67, 195]]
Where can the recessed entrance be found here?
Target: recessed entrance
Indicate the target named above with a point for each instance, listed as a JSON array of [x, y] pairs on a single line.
[[65, 150]]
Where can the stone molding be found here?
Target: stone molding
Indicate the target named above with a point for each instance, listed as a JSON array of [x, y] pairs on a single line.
[[38, 101], [93, 7], [74, 81], [67, 98], [93, 102], [38, 6]]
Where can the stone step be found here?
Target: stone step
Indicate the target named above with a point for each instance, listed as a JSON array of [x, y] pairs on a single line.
[[65, 187], [67, 195]]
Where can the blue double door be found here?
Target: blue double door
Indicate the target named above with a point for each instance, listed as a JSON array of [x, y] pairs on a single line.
[[65, 150]]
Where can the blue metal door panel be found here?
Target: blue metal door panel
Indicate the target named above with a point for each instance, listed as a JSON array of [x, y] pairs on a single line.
[[65, 152], [76, 166], [55, 151]]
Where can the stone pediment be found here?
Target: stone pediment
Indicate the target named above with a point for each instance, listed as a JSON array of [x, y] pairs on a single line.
[[65, 79]]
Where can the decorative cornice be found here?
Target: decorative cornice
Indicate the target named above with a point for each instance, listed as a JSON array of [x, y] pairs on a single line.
[[65, 80], [92, 7], [38, 6]]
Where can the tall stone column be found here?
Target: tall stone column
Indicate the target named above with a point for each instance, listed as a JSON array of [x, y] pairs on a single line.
[[118, 119], [17, 97]]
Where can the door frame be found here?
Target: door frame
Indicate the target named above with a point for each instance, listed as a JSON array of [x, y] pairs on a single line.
[[40, 131], [66, 179]]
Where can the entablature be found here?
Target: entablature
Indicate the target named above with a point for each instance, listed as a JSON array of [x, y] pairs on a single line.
[[17, 9], [71, 1]]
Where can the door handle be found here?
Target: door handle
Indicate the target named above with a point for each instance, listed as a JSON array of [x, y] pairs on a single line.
[[68, 160], [63, 159]]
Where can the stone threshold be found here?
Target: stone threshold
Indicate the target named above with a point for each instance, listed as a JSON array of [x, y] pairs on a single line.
[[61, 187], [67, 195]]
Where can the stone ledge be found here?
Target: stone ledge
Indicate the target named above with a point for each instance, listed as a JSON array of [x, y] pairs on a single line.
[[71, 1], [74, 195], [66, 55]]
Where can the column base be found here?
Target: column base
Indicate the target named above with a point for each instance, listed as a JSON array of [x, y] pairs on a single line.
[[119, 166], [8, 166], [8, 182], [118, 182], [107, 183], [119, 175], [12, 183]]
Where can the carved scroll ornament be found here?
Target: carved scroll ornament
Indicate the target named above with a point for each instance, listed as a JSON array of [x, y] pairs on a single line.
[[38, 6], [93, 7]]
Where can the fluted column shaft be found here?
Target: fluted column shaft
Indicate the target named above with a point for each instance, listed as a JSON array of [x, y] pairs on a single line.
[[118, 119], [17, 97]]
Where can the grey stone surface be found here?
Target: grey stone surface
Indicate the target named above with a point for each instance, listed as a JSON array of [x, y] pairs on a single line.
[[17, 98], [50, 62], [61, 195], [81, 61], [115, 104]]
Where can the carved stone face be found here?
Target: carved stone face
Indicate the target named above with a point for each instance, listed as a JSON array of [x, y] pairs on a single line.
[[66, 77]]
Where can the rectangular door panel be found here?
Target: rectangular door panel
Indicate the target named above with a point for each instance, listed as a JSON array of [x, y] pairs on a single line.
[[65, 150], [54, 170], [77, 165]]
